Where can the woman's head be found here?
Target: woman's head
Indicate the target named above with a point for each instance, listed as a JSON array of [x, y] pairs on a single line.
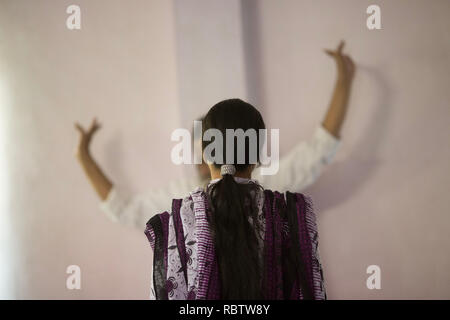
[[245, 121], [233, 205]]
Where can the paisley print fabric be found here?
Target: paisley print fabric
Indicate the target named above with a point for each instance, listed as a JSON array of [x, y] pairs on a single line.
[[185, 263]]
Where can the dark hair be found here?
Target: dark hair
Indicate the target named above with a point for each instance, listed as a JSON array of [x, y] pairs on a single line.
[[233, 204]]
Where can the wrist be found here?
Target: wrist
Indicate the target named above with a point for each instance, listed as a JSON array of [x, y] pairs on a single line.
[[344, 80], [83, 153]]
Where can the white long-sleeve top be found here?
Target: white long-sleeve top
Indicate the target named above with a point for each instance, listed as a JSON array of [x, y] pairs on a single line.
[[297, 169]]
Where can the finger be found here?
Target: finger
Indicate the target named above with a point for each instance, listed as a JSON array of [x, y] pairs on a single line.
[[94, 130], [94, 126], [337, 57], [97, 125], [329, 52], [340, 47], [79, 127]]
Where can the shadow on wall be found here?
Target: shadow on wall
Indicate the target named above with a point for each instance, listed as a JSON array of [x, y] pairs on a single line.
[[362, 162]]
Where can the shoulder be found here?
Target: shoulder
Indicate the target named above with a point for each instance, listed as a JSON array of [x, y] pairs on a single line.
[[293, 203], [183, 205]]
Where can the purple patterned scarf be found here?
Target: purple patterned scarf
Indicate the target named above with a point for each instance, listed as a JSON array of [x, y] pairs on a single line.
[[185, 264]]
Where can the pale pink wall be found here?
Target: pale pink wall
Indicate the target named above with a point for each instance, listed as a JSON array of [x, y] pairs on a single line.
[[210, 54], [385, 199], [120, 67], [382, 202]]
